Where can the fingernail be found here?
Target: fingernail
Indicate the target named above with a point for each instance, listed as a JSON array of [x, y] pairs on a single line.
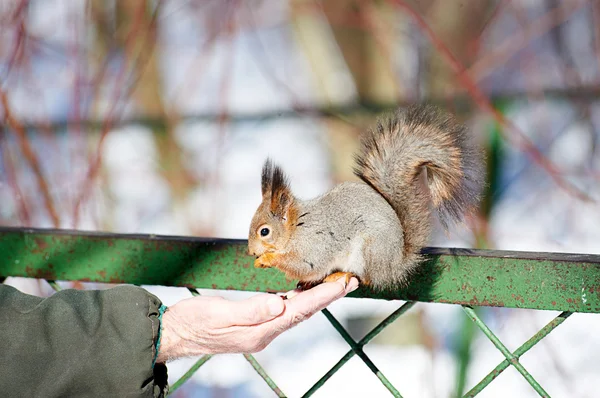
[[275, 305], [283, 296], [353, 285], [343, 280], [291, 294]]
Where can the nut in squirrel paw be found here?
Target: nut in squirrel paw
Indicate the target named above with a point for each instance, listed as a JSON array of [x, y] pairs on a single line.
[[373, 229]]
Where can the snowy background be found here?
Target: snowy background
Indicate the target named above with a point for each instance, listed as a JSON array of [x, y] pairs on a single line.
[[178, 103]]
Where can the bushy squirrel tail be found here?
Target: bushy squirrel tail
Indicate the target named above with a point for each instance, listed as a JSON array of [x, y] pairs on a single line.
[[394, 153]]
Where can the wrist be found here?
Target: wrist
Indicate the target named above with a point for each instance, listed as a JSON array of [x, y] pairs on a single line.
[[170, 345]]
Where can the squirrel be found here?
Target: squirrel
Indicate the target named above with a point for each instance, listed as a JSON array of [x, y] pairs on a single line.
[[372, 229]]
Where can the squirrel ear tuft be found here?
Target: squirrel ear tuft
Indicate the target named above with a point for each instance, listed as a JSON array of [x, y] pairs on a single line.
[[281, 194], [276, 189], [267, 178]]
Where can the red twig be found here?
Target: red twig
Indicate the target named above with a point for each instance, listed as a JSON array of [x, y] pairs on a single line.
[[530, 63], [373, 24], [262, 60], [596, 25], [19, 44], [225, 90], [11, 178], [31, 157], [492, 18], [516, 42], [518, 137], [346, 19], [119, 93], [195, 70]]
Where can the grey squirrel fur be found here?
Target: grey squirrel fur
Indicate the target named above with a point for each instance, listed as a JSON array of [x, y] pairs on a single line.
[[372, 229]]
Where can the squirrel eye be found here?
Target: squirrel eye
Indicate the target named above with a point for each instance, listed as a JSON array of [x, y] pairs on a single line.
[[264, 232]]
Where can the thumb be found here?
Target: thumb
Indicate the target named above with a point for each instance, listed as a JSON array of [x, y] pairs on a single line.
[[255, 310]]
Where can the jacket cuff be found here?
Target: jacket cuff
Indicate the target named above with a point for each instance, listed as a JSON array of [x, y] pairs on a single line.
[[161, 311], [155, 313]]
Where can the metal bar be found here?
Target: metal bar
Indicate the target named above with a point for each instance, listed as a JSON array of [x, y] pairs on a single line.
[[328, 375], [54, 285], [550, 281], [553, 324], [195, 366], [514, 360], [189, 373], [361, 354], [261, 371], [462, 344], [386, 322], [338, 326], [357, 349]]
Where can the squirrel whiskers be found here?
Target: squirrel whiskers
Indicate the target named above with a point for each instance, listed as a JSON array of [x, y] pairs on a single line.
[[376, 229]]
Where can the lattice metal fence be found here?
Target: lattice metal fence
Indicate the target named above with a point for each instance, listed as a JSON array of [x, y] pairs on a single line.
[[544, 281]]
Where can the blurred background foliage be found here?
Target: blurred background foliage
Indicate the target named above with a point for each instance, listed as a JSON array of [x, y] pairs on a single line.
[[154, 116]]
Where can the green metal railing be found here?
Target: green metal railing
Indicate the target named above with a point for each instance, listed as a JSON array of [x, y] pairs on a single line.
[[470, 278]]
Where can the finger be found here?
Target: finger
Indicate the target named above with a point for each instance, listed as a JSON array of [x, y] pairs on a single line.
[[302, 305], [255, 310], [320, 296], [306, 303], [352, 285], [292, 293]]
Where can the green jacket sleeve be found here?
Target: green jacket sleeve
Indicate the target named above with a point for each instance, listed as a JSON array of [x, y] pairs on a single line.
[[80, 344]]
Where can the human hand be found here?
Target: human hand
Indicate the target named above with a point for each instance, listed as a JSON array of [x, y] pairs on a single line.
[[213, 325]]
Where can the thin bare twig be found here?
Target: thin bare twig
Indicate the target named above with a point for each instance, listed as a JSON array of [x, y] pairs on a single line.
[[119, 94], [18, 50], [12, 180], [376, 27], [518, 137], [521, 39], [225, 90], [31, 157]]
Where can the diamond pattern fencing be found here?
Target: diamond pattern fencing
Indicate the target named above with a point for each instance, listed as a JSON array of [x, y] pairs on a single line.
[[543, 281]]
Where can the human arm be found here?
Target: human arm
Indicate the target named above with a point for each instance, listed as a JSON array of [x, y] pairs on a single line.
[[213, 325], [103, 342], [80, 343]]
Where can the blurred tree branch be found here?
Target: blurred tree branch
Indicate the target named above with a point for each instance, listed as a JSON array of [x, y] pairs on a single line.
[[342, 111]]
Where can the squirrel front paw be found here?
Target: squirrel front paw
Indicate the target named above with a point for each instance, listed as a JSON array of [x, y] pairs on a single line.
[[337, 275], [266, 260]]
